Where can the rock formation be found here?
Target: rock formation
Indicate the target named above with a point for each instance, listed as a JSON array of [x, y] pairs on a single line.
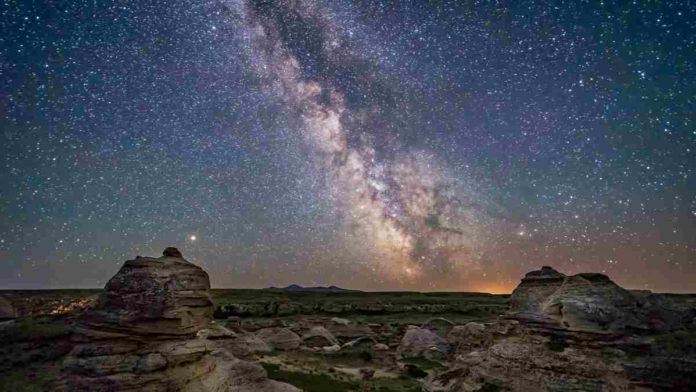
[[587, 302], [147, 332], [153, 296], [573, 333], [151, 329], [535, 287]]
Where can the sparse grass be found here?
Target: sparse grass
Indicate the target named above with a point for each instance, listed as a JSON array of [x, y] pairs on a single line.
[[424, 363], [29, 328], [401, 384], [613, 354], [347, 357], [677, 342], [322, 375], [487, 387], [21, 380], [50, 293], [472, 306], [309, 382], [557, 344], [415, 371], [457, 307], [221, 296]]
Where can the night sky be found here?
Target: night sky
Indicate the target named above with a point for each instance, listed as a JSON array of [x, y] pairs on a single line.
[[373, 145]]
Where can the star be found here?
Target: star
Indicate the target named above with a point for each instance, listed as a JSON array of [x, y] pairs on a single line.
[[429, 146]]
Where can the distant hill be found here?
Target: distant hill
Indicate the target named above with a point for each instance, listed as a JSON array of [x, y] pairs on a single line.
[[318, 289]]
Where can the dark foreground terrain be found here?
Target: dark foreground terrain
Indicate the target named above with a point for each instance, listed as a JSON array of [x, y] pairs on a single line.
[[158, 327]]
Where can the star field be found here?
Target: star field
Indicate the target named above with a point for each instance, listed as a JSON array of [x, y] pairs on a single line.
[[374, 145]]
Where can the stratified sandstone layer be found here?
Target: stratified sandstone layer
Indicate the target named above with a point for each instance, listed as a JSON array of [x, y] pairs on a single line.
[[154, 296], [587, 302], [147, 332]]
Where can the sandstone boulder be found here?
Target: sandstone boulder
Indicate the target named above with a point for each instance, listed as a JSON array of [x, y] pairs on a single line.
[[439, 325], [246, 344], [469, 337], [422, 342], [279, 338], [340, 321], [318, 336], [331, 349], [350, 331]]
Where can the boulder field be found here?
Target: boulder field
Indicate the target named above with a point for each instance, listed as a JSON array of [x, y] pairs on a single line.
[[151, 329]]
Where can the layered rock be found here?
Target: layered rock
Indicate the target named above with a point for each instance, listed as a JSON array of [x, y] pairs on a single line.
[[535, 287], [153, 296], [592, 303], [586, 302], [150, 331], [573, 333]]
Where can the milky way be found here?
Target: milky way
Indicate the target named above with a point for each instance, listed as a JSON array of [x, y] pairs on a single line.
[[368, 144], [403, 209]]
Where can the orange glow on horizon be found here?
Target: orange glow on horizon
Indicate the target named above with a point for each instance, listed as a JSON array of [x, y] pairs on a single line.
[[493, 288]]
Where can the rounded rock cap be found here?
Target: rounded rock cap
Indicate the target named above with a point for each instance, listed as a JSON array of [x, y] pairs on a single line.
[[172, 252]]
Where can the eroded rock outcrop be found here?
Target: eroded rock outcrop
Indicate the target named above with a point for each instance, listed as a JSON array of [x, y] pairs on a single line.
[[153, 296], [150, 331], [587, 302], [573, 333]]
